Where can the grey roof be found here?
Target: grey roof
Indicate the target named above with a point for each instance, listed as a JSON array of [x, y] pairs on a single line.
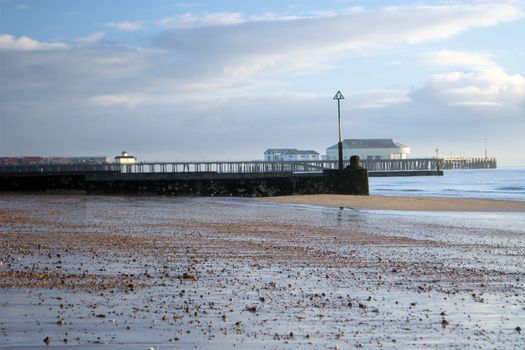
[[279, 150], [290, 151], [369, 143]]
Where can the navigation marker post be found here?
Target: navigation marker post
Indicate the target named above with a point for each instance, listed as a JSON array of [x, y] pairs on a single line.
[[339, 96]]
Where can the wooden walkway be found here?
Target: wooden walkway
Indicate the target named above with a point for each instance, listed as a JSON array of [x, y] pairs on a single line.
[[244, 167]]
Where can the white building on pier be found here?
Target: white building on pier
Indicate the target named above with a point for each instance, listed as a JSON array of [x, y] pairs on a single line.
[[368, 149], [289, 154], [125, 158]]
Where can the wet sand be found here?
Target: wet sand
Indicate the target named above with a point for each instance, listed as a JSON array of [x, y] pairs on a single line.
[[134, 273], [403, 203]]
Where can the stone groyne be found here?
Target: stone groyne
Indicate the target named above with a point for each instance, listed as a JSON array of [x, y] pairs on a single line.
[[348, 181]]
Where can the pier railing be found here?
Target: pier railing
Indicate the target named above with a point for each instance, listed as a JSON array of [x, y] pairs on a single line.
[[468, 163], [241, 166]]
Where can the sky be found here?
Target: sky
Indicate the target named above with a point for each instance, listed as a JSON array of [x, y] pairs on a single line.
[[225, 80]]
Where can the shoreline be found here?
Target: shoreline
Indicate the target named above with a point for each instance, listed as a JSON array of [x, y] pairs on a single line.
[[403, 203]]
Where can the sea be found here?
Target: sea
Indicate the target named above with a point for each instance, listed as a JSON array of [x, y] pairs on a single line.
[[502, 183]]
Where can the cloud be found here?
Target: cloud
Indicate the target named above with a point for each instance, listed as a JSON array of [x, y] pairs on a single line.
[[464, 59], [181, 21], [222, 18], [127, 100], [22, 7], [479, 88], [438, 22], [377, 99], [232, 60], [24, 43], [310, 44], [271, 16], [480, 82], [126, 26], [189, 20], [92, 38]]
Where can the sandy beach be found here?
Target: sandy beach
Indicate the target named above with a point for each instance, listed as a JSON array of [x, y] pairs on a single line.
[[403, 203], [153, 272]]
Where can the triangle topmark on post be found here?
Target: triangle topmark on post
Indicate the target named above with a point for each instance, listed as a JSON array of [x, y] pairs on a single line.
[[339, 96]]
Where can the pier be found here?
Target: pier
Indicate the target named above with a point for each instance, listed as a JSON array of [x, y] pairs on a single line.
[[237, 178], [394, 166]]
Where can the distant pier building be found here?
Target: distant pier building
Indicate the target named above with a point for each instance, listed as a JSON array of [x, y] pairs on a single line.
[[370, 149], [125, 159], [289, 154], [37, 160]]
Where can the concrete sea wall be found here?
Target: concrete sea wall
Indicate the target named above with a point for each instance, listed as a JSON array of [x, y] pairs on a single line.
[[348, 181]]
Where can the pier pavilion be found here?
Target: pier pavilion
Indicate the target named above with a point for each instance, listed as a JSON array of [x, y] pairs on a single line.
[[369, 149]]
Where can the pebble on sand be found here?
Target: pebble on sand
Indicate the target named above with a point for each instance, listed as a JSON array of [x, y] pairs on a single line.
[[188, 276], [251, 309]]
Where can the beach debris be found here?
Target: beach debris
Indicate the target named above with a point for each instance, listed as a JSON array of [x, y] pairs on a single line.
[[224, 318], [444, 322], [47, 340], [518, 329], [165, 317], [60, 322], [251, 309], [188, 276]]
